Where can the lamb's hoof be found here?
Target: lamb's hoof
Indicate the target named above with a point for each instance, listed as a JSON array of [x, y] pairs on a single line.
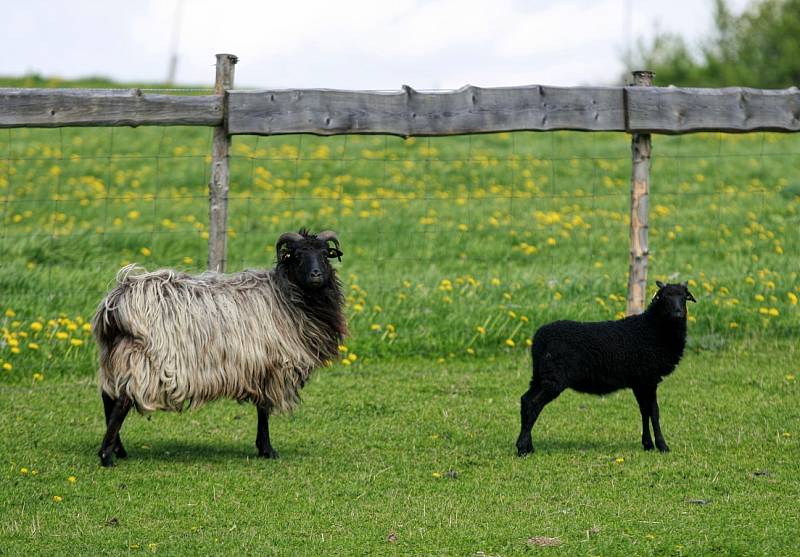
[[269, 453], [663, 447], [524, 447], [648, 446], [106, 461], [120, 452]]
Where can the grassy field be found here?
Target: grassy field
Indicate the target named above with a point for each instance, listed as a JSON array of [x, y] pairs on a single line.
[[456, 249]]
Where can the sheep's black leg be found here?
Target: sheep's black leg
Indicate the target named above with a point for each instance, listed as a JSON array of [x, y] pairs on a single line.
[[262, 437], [108, 406], [654, 416], [120, 409], [645, 397], [531, 405]]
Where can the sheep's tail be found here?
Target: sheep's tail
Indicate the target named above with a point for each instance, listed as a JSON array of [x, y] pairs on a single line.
[[107, 326]]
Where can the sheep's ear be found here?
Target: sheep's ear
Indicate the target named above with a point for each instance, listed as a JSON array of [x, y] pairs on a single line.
[[660, 284], [690, 297]]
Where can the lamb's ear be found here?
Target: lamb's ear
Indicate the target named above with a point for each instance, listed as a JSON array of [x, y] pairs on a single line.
[[660, 284], [690, 297]]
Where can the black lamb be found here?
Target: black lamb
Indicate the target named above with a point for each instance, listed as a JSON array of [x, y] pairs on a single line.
[[599, 358]]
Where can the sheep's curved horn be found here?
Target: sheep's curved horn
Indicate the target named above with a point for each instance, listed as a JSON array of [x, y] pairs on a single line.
[[328, 236], [286, 238]]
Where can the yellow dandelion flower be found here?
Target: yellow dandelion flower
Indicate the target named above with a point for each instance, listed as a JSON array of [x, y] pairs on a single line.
[[7, 366], [61, 335], [72, 479], [76, 342], [346, 362], [437, 475], [510, 342], [133, 215], [352, 357], [145, 251], [57, 498], [470, 351], [375, 327], [512, 314], [87, 327], [733, 325], [792, 298], [528, 342], [343, 348], [759, 298], [481, 330], [358, 308], [11, 313], [790, 377], [619, 460], [36, 326], [38, 376], [774, 312], [495, 281], [23, 471]]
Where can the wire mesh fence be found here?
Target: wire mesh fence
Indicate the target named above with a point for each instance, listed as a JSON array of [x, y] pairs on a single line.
[[454, 246]]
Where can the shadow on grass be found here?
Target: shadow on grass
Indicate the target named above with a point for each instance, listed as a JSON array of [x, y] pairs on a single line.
[[190, 452]]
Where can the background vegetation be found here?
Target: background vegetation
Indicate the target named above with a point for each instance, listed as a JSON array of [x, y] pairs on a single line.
[[758, 48]]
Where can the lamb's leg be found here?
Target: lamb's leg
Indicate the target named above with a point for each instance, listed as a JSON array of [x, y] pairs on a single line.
[[645, 397], [108, 406], [120, 409], [262, 437], [531, 405], [654, 416]]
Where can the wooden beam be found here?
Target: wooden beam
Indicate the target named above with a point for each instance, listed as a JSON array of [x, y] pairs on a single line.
[[415, 113], [641, 147], [53, 108], [673, 110], [220, 173]]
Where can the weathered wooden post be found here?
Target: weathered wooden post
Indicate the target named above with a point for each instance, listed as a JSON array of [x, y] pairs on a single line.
[[220, 171], [640, 191]]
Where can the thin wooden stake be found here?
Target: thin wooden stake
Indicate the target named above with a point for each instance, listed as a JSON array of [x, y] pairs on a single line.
[[220, 172], [640, 192]]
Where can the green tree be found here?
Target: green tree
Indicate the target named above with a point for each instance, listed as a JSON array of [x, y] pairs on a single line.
[[759, 48]]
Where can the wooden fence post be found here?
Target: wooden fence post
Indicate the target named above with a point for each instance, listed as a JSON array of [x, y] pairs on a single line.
[[640, 191], [220, 171]]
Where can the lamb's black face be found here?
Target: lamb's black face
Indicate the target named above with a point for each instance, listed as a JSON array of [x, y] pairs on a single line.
[[305, 258], [671, 299]]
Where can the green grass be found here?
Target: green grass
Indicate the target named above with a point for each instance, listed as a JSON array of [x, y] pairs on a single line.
[[425, 452], [456, 249]]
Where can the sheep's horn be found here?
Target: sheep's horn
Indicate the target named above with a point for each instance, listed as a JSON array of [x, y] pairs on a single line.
[[286, 238], [328, 236]]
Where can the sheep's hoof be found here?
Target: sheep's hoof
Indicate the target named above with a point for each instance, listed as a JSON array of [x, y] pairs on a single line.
[[524, 447], [120, 452], [663, 447], [269, 453], [105, 460], [648, 446]]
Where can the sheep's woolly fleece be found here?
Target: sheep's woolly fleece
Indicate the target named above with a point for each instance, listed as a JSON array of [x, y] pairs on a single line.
[[168, 338]]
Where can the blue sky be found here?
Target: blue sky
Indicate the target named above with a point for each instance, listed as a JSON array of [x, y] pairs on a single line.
[[346, 44]]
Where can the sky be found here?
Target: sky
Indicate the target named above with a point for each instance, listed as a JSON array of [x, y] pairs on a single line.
[[342, 44]]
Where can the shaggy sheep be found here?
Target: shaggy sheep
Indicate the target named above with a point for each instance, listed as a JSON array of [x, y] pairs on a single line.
[[168, 339], [598, 358]]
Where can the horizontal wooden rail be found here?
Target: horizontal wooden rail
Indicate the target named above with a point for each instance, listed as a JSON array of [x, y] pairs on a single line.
[[412, 113], [665, 110], [55, 108], [676, 110]]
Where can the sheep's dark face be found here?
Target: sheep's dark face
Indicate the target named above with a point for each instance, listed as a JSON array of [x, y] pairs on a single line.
[[305, 257], [670, 300]]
